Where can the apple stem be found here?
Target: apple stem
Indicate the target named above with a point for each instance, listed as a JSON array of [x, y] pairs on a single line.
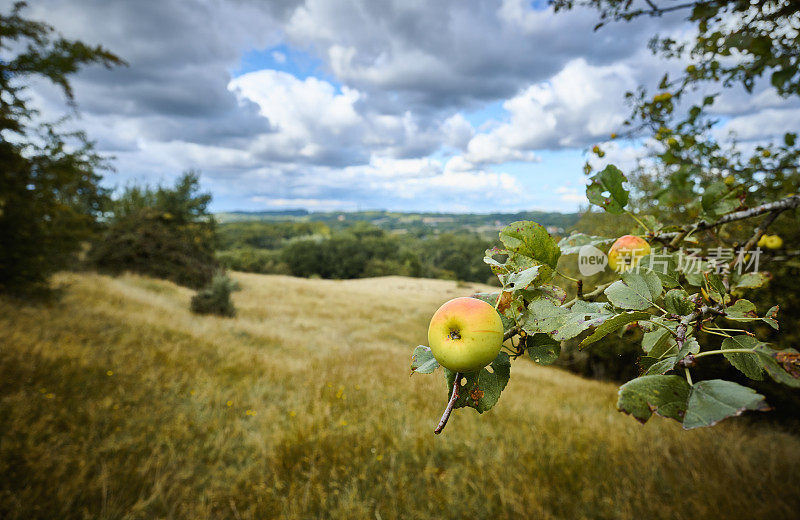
[[450, 404]]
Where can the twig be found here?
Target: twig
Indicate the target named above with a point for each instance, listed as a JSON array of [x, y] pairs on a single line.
[[510, 333], [596, 292], [762, 227], [450, 404]]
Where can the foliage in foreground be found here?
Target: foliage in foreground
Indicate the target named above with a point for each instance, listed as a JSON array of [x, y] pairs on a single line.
[[671, 295]]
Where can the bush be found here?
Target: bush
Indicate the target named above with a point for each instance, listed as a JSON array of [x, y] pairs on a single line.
[[147, 242], [216, 297], [162, 232]]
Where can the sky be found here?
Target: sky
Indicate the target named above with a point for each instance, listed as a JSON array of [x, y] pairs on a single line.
[[404, 105]]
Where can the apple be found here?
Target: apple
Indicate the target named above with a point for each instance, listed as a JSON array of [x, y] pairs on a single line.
[[626, 251], [465, 334], [774, 242]]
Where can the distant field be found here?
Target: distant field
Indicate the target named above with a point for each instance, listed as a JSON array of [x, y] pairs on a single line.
[[119, 403]]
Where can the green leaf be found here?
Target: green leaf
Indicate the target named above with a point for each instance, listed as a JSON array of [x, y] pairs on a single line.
[[714, 286], [612, 324], [771, 318], [562, 324], [422, 361], [553, 293], [520, 280], [665, 395], [782, 365], [572, 244], [751, 280], [636, 290], [608, 181], [677, 302], [714, 400], [690, 346], [662, 366], [542, 348], [664, 265], [717, 200], [481, 389], [655, 340], [532, 241], [748, 364], [742, 310]]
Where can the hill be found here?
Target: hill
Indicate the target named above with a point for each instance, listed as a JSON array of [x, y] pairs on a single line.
[[416, 223], [119, 403]]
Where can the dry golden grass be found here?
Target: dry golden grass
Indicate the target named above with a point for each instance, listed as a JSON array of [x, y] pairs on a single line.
[[119, 403]]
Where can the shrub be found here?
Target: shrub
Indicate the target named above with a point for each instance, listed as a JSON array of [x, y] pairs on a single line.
[[216, 297], [162, 232]]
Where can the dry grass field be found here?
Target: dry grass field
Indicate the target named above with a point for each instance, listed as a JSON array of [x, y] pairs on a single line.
[[119, 403]]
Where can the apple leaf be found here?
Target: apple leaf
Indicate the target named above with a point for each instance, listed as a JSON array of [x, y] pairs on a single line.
[[782, 365], [665, 395], [554, 293], [481, 389], [520, 280], [715, 287], [690, 346], [742, 310], [662, 366], [655, 339], [572, 244], [677, 302], [748, 364], [719, 199], [751, 280], [714, 400], [532, 241], [771, 318], [665, 266], [612, 324], [636, 291], [544, 316], [608, 181], [422, 361], [542, 348]]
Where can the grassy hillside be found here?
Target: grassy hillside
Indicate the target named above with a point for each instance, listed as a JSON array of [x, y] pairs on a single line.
[[119, 403]]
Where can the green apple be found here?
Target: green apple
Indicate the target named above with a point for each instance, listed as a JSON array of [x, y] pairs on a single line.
[[465, 334], [626, 251]]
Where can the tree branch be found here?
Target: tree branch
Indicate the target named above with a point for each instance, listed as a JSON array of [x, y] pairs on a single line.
[[450, 404], [674, 238]]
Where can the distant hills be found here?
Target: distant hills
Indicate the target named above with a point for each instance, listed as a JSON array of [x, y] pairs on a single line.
[[399, 222]]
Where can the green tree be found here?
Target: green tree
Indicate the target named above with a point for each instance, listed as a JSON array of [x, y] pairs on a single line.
[[50, 195], [163, 232]]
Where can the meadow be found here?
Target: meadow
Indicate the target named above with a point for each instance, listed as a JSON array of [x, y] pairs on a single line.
[[117, 402]]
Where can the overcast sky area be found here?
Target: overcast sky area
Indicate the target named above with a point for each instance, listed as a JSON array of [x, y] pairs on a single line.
[[409, 105]]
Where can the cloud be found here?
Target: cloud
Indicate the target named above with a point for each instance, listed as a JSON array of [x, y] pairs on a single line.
[[578, 105], [317, 123], [386, 116]]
